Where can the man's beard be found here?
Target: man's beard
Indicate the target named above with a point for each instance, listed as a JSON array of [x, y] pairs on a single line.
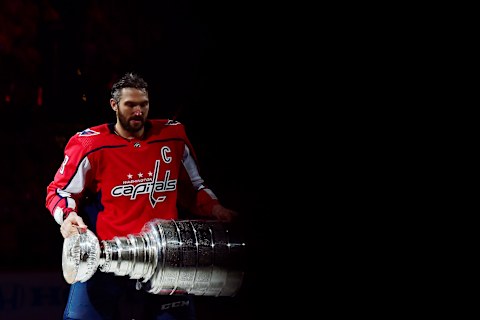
[[124, 122]]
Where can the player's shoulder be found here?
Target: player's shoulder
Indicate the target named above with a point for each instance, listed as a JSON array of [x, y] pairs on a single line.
[[167, 127], [165, 123], [92, 137], [94, 131]]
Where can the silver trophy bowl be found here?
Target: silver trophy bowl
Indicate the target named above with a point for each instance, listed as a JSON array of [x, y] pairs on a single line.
[[199, 257]]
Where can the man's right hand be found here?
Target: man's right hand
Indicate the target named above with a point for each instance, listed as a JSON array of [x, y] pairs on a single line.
[[73, 224]]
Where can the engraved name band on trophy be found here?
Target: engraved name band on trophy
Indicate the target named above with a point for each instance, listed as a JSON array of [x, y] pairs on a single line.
[[199, 257]]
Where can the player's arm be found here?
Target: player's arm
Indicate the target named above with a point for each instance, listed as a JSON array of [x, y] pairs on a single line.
[[66, 187], [202, 201]]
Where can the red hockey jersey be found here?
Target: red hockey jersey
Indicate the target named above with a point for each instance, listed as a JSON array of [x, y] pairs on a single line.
[[133, 181]]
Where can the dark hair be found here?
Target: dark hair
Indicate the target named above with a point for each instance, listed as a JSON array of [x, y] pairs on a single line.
[[128, 80]]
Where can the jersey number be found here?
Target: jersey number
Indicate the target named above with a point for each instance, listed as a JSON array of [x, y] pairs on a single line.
[[64, 163]]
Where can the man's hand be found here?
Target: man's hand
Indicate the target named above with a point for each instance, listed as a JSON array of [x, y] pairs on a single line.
[[223, 214], [73, 224]]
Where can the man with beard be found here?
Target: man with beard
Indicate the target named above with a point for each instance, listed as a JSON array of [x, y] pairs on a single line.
[[116, 177]]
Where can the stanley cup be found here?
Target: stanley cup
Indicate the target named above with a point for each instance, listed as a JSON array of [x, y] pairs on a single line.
[[199, 257]]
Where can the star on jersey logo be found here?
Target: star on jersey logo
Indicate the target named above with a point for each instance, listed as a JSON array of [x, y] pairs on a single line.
[[140, 175], [87, 133]]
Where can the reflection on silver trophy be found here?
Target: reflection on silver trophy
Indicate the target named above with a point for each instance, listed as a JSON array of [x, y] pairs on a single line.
[[199, 257]]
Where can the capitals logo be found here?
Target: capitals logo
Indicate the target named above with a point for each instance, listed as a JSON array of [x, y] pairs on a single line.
[[149, 186]]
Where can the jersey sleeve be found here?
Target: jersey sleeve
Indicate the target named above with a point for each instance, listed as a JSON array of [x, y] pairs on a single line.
[[69, 181], [194, 195]]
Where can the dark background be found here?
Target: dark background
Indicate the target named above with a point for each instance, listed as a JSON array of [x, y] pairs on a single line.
[[207, 66]]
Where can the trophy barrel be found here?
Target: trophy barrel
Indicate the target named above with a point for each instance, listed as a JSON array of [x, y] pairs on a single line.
[[199, 257]]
